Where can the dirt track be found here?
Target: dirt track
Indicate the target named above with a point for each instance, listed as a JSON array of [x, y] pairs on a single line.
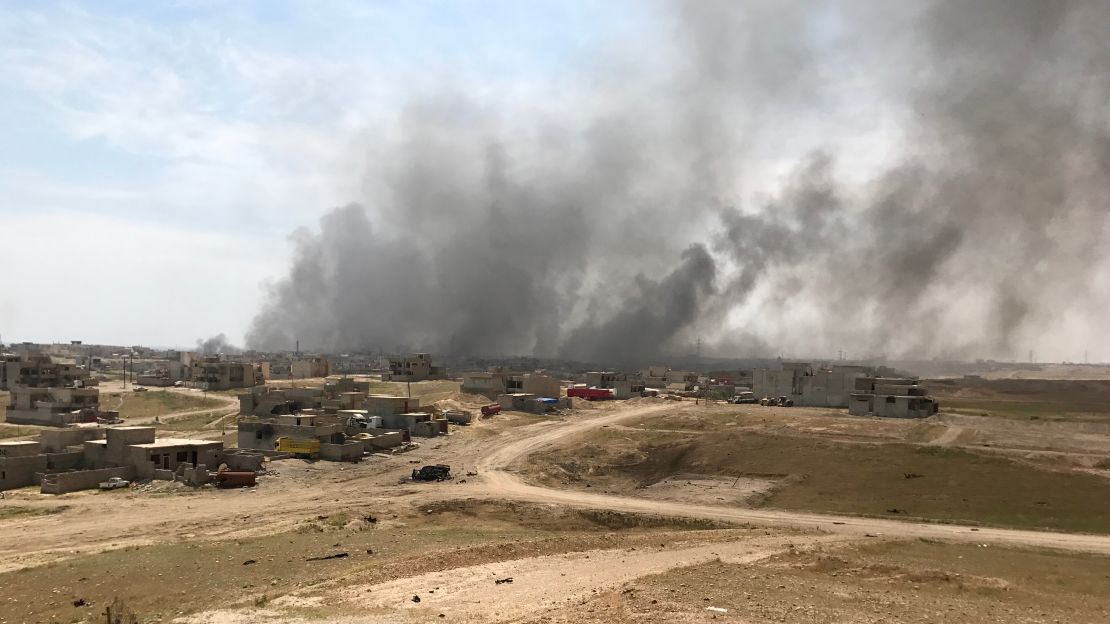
[[498, 482]]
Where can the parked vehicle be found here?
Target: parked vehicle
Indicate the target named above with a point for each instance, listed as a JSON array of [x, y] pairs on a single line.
[[743, 398], [491, 409], [785, 402], [299, 447], [114, 483], [438, 472], [179, 384]]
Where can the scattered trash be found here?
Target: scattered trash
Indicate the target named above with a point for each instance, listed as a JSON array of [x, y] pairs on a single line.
[[869, 535], [472, 474], [895, 510], [504, 580], [370, 519], [338, 555], [838, 523], [249, 562], [80, 602], [416, 598], [438, 472], [716, 609], [912, 475]]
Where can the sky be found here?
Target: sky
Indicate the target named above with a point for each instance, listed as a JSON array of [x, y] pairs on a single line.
[[158, 155], [267, 170]]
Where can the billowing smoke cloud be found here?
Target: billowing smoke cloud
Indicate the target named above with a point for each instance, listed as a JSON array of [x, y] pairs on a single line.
[[217, 345], [950, 197]]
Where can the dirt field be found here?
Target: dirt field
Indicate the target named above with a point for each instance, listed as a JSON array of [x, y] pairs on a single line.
[[327, 542]]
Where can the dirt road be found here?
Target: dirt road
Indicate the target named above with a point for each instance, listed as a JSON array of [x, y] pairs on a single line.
[[500, 483]]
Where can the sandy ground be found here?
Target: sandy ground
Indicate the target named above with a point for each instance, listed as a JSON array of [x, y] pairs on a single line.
[[486, 454]]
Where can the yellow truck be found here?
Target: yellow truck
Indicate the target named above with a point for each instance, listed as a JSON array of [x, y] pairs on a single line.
[[299, 447]]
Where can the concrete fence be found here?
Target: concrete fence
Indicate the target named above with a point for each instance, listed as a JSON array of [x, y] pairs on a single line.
[[63, 482]]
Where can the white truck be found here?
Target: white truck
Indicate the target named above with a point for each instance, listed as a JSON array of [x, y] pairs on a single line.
[[114, 483]]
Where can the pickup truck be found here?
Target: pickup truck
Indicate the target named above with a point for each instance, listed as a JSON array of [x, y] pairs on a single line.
[[114, 483]]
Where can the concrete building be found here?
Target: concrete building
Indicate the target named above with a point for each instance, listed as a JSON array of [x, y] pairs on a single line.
[[891, 398], [603, 379], [496, 382], [273, 401], [46, 392], [808, 385], [416, 367], [216, 373], [628, 388], [79, 458]]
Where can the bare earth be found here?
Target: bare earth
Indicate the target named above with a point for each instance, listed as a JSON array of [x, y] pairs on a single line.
[[552, 585]]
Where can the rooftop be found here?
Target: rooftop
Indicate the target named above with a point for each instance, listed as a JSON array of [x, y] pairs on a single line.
[[168, 442]]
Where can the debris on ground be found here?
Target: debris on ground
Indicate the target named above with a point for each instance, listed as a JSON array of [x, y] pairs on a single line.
[[338, 555], [416, 598], [249, 562], [508, 579]]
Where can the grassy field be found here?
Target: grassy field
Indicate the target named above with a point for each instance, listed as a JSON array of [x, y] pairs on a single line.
[[1025, 399], [154, 403], [837, 477]]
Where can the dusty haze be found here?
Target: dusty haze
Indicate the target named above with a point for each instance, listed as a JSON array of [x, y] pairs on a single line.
[[910, 181]]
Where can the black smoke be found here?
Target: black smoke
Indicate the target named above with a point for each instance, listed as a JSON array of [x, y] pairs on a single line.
[[638, 215], [217, 345]]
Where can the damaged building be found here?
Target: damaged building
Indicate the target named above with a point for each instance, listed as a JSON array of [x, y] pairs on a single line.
[[415, 367]]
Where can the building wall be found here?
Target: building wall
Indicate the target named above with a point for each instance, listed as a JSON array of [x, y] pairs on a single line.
[[64, 482], [541, 385], [487, 384]]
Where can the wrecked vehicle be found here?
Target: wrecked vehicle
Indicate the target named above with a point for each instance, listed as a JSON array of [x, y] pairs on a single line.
[[438, 472]]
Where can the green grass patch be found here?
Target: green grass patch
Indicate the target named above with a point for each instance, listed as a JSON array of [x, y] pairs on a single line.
[[1028, 410], [17, 511]]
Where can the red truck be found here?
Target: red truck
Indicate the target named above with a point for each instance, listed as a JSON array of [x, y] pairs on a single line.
[[491, 409], [590, 394]]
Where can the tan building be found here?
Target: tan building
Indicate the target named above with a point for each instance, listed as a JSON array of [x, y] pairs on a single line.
[[416, 367], [496, 382], [79, 458], [216, 373]]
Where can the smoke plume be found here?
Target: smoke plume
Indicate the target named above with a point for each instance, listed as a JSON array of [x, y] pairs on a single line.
[[949, 196], [217, 345]]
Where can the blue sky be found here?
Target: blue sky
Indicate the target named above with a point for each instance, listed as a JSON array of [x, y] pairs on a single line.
[[156, 155]]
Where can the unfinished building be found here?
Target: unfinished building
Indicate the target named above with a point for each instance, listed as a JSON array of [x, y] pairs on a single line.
[[891, 398], [45, 392], [416, 367], [80, 458], [809, 385]]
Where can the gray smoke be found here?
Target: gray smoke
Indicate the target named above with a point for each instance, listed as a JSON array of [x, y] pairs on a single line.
[[217, 345], [642, 215]]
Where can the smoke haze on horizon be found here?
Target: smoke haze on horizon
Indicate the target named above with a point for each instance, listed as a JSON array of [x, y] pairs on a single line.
[[636, 213]]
